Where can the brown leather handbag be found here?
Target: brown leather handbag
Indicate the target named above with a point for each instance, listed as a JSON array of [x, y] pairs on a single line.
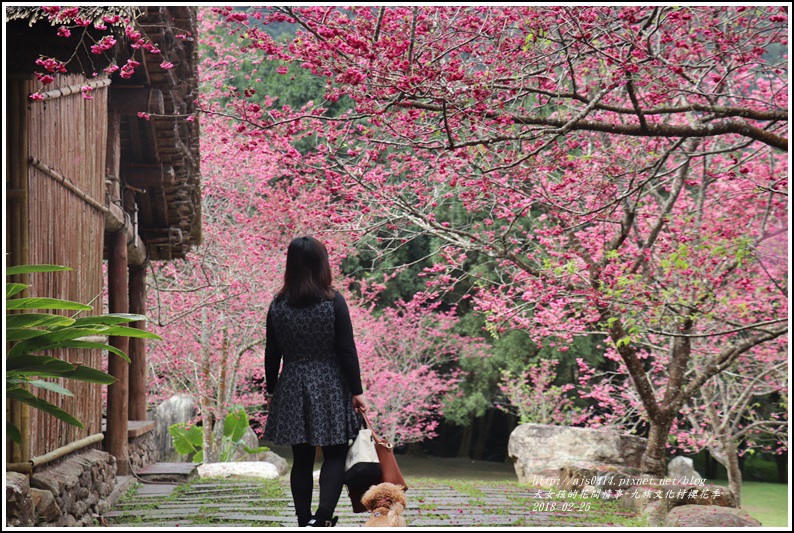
[[390, 468]]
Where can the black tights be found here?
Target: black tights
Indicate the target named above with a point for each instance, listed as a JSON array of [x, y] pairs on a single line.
[[332, 475]]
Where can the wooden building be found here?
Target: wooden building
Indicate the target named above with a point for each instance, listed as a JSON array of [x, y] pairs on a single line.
[[91, 183]]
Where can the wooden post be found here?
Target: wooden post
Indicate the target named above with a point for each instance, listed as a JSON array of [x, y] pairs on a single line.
[[118, 393], [113, 156], [137, 353], [17, 235]]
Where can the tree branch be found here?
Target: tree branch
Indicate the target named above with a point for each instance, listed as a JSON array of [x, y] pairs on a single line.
[[726, 127]]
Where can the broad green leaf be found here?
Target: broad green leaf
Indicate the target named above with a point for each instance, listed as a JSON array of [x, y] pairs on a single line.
[[109, 319], [13, 289], [57, 339], [13, 432], [199, 457], [97, 346], [90, 375], [46, 303], [19, 334], [28, 269], [259, 449], [37, 320], [14, 380], [49, 385], [122, 331], [51, 338], [87, 345], [235, 425], [41, 365], [42, 405], [186, 441]]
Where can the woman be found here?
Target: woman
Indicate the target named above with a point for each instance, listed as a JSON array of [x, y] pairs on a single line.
[[313, 401]]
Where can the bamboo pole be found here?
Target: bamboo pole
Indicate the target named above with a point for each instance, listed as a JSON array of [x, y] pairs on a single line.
[[18, 234], [66, 450], [27, 467], [57, 176], [74, 89], [118, 393]]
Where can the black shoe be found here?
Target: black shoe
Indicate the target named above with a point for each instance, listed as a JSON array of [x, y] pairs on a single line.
[[323, 518], [314, 522]]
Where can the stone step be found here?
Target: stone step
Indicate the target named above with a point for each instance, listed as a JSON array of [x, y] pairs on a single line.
[[155, 490], [169, 472]]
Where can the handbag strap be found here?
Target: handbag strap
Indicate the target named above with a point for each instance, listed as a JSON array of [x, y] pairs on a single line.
[[378, 440]]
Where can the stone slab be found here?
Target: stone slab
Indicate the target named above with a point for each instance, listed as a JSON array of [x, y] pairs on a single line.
[[252, 517], [154, 513], [136, 428], [163, 524], [171, 472], [155, 490], [231, 504]]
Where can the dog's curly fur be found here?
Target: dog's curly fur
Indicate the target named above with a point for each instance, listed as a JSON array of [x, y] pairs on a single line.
[[386, 502]]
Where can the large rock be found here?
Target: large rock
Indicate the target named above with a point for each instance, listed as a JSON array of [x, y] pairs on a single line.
[[608, 478], [239, 469], [279, 462], [696, 516], [683, 471], [19, 506], [677, 495], [541, 450], [176, 409], [45, 506], [251, 441]]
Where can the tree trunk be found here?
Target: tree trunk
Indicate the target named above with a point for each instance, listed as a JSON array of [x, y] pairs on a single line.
[[734, 475], [204, 401], [711, 466], [220, 401], [729, 458], [654, 460], [483, 430], [782, 467], [465, 440]]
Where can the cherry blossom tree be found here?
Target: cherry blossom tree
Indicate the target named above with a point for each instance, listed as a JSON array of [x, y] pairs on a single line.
[[728, 411], [211, 308], [408, 356], [533, 396], [623, 168]]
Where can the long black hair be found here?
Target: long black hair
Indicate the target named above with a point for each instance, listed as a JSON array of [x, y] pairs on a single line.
[[307, 278]]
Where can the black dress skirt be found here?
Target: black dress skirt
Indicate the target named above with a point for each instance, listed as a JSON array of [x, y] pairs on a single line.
[[312, 395]]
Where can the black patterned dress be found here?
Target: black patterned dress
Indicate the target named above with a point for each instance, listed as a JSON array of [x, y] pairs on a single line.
[[312, 396]]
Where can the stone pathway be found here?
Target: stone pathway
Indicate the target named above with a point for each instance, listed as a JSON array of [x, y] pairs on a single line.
[[255, 503]]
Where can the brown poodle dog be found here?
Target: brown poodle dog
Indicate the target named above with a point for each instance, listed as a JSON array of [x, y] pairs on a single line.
[[386, 501]]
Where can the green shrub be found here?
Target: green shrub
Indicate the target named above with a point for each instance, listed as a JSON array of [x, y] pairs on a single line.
[[188, 439], [33, 332]]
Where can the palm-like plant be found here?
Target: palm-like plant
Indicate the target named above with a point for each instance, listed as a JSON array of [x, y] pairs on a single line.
[[33, 332]]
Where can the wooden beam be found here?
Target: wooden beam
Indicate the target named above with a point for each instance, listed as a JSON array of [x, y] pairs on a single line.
[[148, 175], [133, 101], [113, 157], [137, 353], [118, 393]]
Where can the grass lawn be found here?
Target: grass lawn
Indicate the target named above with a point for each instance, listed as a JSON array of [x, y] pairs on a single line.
[[766, 502]]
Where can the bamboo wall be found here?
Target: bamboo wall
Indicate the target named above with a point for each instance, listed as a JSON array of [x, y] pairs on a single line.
[[68, 134]]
